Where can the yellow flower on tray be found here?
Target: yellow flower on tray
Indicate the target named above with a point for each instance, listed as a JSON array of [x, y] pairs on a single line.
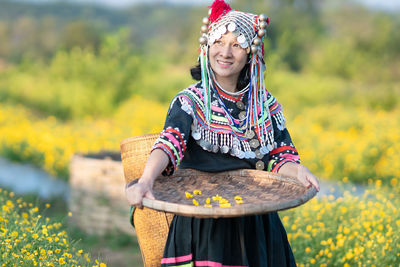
[[208, 205], [195, 202], [239, 201], [217, 198], [188, 195], [225, 205], [196, 192], [208, 201], [223, 201], [238, 198]]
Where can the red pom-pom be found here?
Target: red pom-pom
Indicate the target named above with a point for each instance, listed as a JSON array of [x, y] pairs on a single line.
[[218, 8], [267, 20]]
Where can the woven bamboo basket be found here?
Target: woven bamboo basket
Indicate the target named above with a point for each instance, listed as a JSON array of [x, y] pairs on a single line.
[[151, 226]]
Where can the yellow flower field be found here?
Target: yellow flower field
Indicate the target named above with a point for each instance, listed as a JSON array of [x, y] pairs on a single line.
[[50, 144], [28, 239], [348, 231], [358, 144]]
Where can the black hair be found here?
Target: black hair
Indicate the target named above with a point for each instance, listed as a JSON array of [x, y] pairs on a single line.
[[243, 80]]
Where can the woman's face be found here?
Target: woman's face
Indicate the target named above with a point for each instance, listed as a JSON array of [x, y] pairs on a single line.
[[227, 58]]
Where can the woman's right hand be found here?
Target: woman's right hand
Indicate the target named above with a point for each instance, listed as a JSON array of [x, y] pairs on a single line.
[[135, 193]]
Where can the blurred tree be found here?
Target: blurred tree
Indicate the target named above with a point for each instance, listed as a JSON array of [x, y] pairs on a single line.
[[81, 34]]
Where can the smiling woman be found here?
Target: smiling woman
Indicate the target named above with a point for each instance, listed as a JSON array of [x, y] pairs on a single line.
[[226, 121]]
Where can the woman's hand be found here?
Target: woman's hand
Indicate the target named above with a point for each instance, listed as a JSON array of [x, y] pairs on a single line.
[[156, 163], [301, 172], [306, 177], [135, 193]]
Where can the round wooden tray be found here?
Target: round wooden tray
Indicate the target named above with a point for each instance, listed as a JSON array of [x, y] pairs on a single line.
[[261, 192]]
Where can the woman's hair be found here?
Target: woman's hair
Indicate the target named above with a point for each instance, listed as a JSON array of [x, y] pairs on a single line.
[[243, 80]]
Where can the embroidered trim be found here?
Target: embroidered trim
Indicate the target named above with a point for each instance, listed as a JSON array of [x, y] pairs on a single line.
[[220, 134], [172, 142]]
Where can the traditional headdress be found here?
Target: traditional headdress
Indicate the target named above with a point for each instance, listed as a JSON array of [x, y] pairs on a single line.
[[250, 30]]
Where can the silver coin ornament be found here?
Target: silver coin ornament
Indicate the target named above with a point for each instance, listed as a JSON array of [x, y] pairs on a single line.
[[261, 33], [254, 49], [224, 149], [196, 135], [221, 30], [240, 105], [204, 28], [203, 40], [241, 39], [242, 115], [231, 27], [240, 154], [206, 21], [250, 134], [257, 41], [269, 147], [263, 25], [259, 155], [247, 154], [244, 45], [215, 148], [254, 143], [252, 154], [262, 17], [260, 165], [264, 150]]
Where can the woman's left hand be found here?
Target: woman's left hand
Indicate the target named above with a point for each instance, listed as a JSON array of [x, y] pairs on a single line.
[[301, 172], [306, 177]]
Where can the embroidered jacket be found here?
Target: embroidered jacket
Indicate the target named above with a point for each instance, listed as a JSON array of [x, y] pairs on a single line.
[[192, 142]]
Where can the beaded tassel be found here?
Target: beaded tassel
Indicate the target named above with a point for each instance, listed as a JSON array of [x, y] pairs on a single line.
[[205, 80]]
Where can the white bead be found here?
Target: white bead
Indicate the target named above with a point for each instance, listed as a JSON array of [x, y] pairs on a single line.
[[203, 40], [254, 49], [262, 17], [204, 28], [206, 20]]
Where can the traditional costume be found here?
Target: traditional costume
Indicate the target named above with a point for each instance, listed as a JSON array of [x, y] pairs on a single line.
[[213, 130]]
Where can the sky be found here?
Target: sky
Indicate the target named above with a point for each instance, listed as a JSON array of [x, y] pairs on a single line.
[[379, 4]]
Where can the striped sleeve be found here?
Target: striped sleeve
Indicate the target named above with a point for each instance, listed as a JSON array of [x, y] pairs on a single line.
[[285, 150], [173, 138]]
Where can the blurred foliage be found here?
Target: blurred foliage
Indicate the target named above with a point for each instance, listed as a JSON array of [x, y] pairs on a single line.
[[79, 79]]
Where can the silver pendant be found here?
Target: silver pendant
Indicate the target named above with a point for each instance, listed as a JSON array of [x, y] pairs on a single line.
[[260, 165], [215, 148], [196, 135], [270, 148], [250, 134], [252, 155], [254, 143], [224, 149], [264, 150], [247, 154], [240, 104], [242, 115], [259, 155]]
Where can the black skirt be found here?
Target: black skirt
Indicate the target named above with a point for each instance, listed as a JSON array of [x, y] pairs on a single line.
[[254, 241]]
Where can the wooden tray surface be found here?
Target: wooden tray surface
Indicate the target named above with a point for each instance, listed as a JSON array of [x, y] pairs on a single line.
[[261, 192]]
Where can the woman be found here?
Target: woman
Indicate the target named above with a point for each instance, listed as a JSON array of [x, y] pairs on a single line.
[[226, 121]]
